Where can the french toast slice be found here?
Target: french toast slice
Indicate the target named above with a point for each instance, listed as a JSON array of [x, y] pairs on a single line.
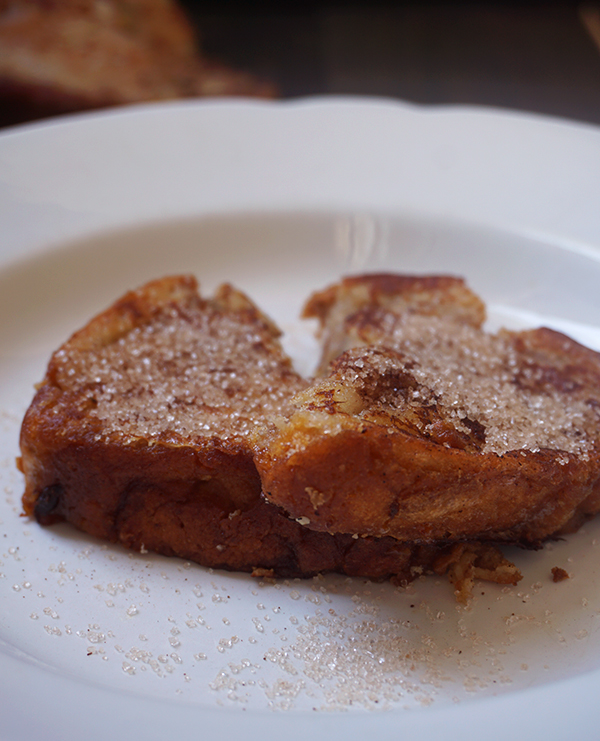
[[139, 434], [430, 429], [74, 55]]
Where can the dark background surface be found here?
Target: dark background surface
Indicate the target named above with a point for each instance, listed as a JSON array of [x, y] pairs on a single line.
[[540, 57]]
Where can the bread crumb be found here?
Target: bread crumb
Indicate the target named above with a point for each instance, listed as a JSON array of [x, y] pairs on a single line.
[[559, 574]]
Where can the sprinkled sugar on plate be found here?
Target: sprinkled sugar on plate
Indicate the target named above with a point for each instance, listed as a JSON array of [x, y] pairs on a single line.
[[103, 640]]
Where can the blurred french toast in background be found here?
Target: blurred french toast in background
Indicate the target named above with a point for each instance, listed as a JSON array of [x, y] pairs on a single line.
[[62, 56]]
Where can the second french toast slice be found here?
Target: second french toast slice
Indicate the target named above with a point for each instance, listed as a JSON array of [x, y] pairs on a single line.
[[429, 429]]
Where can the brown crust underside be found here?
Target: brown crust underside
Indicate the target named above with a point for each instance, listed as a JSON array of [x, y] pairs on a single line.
[[206, 507]]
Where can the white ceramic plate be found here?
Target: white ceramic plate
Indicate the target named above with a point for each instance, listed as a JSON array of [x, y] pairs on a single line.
[[280, 199]]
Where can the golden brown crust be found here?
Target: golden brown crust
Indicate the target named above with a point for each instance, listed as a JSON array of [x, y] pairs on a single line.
[[424, 294]]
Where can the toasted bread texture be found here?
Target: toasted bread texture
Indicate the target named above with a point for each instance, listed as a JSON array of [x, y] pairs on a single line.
[[345, 309], [72, 55], [139, 434], [430, 429]]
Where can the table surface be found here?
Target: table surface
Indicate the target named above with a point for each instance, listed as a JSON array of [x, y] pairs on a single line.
[[539, 57]]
